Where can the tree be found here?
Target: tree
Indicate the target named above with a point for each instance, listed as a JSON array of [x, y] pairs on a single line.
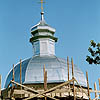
[[94, 50]]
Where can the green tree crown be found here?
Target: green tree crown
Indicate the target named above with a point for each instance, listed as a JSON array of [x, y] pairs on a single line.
[[94, 50]]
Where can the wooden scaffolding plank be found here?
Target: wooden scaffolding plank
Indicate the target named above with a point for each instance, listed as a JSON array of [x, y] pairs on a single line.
[[99, 86], [45, 80], [30, 89], [73, 77], [81, 87], [13, 77], [95, 88], [93, 91], [72, 67], [12, 89], [68, 73], [68, 66], [88, 85], [20, 71], [13, 74], [21, 74], [50, 90]]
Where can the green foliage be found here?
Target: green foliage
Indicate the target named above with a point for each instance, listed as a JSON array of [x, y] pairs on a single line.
[[94, 50]]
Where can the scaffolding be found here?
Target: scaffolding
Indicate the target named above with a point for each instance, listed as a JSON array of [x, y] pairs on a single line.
[[69, 90]]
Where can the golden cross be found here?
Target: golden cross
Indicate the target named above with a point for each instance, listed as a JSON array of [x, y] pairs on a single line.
[[41, 5]]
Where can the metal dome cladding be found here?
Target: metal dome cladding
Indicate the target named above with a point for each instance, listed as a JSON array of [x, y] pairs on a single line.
[[32, 71]]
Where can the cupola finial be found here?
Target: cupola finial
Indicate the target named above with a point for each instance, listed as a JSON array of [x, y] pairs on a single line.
[[42, 16]]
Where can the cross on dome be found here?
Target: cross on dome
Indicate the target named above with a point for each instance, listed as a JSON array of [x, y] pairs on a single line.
[[42, 13], [42, 5]]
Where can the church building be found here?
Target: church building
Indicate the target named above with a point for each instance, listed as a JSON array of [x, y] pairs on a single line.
[[44, 75]]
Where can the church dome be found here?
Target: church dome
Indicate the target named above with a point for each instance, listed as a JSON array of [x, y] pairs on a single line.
[[57, 72]]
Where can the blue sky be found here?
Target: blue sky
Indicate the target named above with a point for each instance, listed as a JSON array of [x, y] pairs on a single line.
[[76, 23]]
